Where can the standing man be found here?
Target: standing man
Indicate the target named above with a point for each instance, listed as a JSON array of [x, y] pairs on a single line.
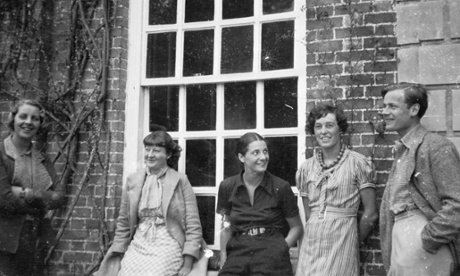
[[420, 211]]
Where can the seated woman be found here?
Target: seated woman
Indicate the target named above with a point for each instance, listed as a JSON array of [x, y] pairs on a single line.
[[158, 230], [255, 206], [29, 187], [332, 184]]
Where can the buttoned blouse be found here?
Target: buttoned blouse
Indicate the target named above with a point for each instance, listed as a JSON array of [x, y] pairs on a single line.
[[274, 201], [338, 186]]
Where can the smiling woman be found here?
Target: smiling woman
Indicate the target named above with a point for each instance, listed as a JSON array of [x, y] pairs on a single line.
[[332, 184], [260, 215], [29, 188], [158, 230]]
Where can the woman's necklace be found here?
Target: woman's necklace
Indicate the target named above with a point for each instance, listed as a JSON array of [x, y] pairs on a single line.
[[337, 160]]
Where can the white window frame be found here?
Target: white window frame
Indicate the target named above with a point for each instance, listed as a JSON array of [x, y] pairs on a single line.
[[137, 104]]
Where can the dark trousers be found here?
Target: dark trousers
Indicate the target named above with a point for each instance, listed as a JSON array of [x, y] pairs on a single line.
[[266, 254], [28, 260]]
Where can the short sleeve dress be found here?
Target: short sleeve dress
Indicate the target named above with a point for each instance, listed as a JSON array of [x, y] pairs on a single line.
[[330, 244]]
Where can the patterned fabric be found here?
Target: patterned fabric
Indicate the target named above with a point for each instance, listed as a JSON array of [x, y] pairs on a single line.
[[435, 191], [330, 243], [399, 180], [29, 169], [153, 251]]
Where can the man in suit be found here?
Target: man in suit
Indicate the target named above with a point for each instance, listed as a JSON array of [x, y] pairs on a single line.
[[420, 211]]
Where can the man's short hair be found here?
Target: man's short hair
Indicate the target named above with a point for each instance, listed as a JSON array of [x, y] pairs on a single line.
[[414, 93]]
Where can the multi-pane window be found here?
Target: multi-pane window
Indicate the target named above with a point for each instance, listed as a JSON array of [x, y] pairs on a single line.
[[213, 70]]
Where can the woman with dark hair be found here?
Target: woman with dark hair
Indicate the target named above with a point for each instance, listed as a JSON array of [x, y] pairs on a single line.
[[256, 207], [29, 188], [158, 230], [332, 184]]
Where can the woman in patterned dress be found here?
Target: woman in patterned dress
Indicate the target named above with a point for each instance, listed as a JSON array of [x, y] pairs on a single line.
[[158, 230], [332, 184]]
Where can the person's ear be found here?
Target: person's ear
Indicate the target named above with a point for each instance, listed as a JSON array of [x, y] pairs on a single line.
[[414, 109], [241, 157]]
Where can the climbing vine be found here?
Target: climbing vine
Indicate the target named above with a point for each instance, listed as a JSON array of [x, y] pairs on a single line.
[[34, 66]]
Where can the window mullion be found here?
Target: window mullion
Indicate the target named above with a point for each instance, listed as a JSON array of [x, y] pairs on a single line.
[[257, 45], [260, 122], [182, 126]]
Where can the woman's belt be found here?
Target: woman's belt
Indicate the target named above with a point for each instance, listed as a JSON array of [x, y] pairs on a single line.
[[333, 212], [257, 231]]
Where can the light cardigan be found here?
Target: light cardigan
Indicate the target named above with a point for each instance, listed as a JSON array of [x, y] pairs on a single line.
[[178, 205], [436, 192]]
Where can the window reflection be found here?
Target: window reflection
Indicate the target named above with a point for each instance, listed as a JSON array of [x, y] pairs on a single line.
[[240, 105], [161, 55], [199, 10], [280, 103], [206, 206], [277, 6], [201, 107], [283, 157], [164, 108], [277, 45], [237, 49], [162, 12], [201, 162], [198, 51], [282, 163], [237, 8]]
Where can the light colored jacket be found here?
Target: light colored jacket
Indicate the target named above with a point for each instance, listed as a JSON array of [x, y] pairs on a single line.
[[435, 191], [179, 208]]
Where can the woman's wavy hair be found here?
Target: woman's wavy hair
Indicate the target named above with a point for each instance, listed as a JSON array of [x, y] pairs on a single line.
[[15, 109], [321, 111], [161, 138]]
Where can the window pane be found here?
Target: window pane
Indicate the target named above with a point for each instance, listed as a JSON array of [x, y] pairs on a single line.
[[283, 157], [280, 103], [161, 55], [277, 45], [282, 152], [198, 51], [162, 12], [201, 162], [164, 108], [207, 209], [199, 10], [240, 105], [232, 164], [201, 107], [277, 6], [237, 8], [237, 49]]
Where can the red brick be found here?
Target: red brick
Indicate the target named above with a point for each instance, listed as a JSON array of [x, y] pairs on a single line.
[[379, 18]]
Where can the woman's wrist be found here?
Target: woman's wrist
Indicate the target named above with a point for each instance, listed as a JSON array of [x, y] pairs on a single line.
[[28, 194]]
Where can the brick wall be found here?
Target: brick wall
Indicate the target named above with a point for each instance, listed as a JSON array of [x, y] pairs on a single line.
[[351, 54], [46, 70], [80, 245]]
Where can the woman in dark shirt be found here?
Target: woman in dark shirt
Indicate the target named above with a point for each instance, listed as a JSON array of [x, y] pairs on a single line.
[[29, 188], [256, 207]]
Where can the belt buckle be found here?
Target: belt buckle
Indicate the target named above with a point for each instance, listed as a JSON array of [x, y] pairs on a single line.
[[256, 231]]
